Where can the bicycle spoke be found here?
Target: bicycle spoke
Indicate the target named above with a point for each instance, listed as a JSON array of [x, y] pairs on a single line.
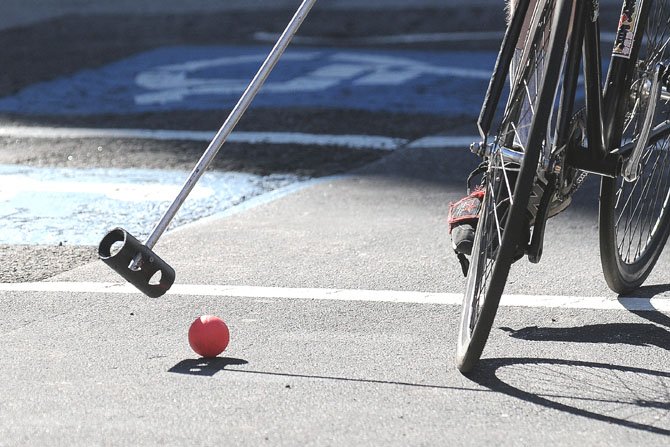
[[496, 218], [639, 204], [642, 204]]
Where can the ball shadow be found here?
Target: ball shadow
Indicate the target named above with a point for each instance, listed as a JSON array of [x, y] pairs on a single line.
[[205, 366]]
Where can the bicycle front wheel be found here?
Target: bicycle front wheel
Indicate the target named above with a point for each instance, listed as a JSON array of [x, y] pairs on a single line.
[[634, 215], [503, 229]]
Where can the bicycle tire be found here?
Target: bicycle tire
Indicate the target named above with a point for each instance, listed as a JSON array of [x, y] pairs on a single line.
[[498, 237], [635, 216]]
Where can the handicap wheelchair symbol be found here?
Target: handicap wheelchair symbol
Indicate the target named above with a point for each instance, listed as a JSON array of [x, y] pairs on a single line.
[[173, 83]]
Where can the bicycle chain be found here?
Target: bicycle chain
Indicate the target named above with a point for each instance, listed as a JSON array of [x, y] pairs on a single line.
[[577, 119], [577, 183]]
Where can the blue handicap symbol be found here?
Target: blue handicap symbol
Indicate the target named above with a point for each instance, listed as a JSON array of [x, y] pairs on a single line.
[[214, 77]]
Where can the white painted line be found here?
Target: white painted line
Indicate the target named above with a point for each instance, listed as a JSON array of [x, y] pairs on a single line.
[[14, 184], [374, 142], [440, 141], [303, 139], [241, 292], [465, 36], [389, 39], [388, 296]]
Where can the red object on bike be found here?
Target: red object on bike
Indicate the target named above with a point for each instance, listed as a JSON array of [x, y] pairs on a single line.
[[466, 210]]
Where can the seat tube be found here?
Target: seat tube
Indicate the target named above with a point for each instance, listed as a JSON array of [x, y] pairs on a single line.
[[593, 90], [571, 75]]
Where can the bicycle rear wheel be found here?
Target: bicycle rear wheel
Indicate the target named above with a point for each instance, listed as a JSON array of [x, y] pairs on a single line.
[[502, 232], [635, 215]]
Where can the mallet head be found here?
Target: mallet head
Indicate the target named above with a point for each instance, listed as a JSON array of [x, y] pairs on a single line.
[[136, 263]]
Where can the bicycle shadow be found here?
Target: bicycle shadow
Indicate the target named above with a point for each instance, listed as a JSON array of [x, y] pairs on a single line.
[[654, 333], [634, 334], [630, 397], [648, 292]]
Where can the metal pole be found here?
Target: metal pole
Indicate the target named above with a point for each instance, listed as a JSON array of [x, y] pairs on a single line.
[[232, 120]]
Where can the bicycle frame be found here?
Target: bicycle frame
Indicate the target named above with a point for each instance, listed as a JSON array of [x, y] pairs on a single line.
[[604, 106], [548, 138]]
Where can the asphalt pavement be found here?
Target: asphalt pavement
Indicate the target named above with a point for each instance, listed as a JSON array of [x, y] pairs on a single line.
[[307, 367], [341, 291]]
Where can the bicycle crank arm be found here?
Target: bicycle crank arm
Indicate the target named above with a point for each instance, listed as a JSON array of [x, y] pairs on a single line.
[[136, 263], [631, 168], [537, 240]]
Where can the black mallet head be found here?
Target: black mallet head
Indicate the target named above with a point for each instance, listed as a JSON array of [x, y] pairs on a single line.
[[136, 263]]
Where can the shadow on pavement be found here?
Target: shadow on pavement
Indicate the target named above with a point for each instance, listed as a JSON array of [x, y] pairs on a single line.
[[634, 334], [341, 379], [648, 291], [631, 397], [205, 366]]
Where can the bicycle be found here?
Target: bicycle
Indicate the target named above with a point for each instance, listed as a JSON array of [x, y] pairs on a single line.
[[545, 144]]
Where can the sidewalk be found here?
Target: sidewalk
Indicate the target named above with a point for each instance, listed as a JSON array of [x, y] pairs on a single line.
[[23, 12], [382, 227]]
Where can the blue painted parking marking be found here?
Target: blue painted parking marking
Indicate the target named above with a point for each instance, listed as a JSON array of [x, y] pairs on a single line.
[[212, 78], [78, 206]]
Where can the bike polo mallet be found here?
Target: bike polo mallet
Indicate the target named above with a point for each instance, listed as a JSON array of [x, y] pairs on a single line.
[[136, 262]]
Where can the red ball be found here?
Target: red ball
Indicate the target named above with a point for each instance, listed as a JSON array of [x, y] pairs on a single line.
[[208, 336]]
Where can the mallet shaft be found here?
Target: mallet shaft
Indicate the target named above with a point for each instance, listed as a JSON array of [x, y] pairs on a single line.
[[232, 120]]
